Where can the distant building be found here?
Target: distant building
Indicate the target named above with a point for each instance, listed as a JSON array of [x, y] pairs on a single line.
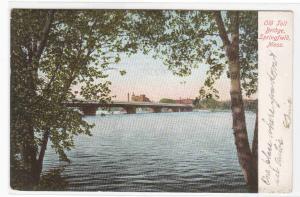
[[186, 101], [139, 98]]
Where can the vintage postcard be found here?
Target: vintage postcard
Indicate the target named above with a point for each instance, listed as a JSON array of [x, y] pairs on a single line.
[[151, 100]]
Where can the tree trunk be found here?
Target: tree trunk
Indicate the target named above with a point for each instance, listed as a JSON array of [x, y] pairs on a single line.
[[245, 156], [240, 131], [42, 152], [255, 145], [29, 151], [32, 165]]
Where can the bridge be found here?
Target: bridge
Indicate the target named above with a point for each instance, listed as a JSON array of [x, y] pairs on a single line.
[[90, 107]]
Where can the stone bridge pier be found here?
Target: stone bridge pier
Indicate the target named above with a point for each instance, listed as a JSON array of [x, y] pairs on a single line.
[[175, 109], [156, 109], [89, 110], [130, 109], [187, 109]]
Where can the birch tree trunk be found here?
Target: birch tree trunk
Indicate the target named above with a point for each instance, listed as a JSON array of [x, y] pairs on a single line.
[[244, 153]]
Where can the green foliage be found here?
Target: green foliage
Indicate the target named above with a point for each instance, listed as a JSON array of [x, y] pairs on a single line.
[[185, 40], [208, 103], [248, 51], [52, 180], [53, 51], [167, 100], [122, 72], [213, 104]]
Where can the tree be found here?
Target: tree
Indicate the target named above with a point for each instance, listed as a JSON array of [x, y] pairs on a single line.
[[51, 52], [208, 103], [226, 41], [167, 100], [55, 50]]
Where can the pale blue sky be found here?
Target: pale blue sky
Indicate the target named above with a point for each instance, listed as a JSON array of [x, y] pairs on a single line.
[[146, 75]]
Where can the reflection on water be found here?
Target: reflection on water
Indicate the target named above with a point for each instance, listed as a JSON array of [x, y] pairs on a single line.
[[157, 152]]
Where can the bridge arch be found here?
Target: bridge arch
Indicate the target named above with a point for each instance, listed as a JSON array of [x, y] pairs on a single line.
[[89, 110], [91, 107]]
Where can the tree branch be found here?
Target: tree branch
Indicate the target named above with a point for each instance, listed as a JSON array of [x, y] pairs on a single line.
[[45, 33], [43, 150], [221, 27]]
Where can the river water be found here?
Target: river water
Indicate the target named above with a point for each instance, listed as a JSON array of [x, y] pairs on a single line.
[[156, 152]]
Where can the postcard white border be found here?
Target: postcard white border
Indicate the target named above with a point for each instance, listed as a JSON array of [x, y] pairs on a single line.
[[183, 4], [275, 63]]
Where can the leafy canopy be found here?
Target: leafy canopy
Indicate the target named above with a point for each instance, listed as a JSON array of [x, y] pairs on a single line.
[[46, 64], [188, 39], [81, 44]]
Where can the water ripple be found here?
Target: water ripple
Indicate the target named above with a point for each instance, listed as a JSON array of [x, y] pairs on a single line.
[[166, 152]]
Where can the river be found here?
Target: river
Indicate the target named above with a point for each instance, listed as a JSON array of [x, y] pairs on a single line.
[[156, 152]]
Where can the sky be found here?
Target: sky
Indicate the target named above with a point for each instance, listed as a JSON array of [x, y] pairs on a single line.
[[149, 76], [146, 75]]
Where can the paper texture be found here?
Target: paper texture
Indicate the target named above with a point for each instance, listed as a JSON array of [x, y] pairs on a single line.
[[275, 100]]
